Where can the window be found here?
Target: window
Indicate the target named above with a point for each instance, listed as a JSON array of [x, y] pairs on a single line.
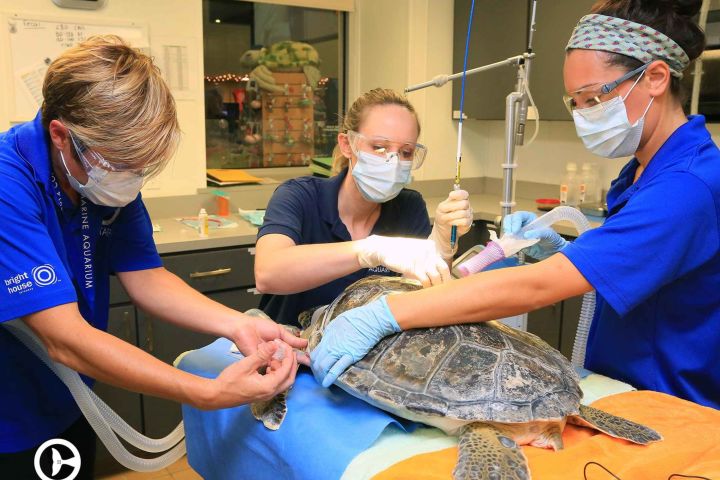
[[273, 83]]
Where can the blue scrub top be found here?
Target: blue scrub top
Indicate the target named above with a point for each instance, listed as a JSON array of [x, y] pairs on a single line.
[[655, 263], [51, 253], [306, 210]]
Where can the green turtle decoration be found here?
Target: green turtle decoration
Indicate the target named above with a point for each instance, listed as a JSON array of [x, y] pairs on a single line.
[[285, 56]]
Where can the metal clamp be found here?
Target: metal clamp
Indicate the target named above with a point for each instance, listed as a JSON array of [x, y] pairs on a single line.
[[211, 273]]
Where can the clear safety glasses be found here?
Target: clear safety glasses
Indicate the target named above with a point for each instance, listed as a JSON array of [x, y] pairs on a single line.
[[91, 160], [407, 151], [590, 96]]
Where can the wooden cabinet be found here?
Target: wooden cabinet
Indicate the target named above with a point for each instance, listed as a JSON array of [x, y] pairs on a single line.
[[166, 342], [288, 128], [226, 276], [557, 323], [128, 405]]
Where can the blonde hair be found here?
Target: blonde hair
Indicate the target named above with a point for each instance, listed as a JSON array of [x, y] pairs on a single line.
[[355, 116], [113, 99]]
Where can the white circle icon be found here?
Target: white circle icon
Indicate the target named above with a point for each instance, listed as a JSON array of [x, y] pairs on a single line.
[[44, 275], [57, 460]]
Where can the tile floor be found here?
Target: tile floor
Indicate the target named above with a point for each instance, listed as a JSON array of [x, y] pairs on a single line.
[[179, 470]]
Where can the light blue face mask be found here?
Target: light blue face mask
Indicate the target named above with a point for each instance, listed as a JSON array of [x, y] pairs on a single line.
[[605, 129], [380, 178]]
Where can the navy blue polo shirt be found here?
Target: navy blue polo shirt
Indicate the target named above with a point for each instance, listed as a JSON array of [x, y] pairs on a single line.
[[655, 263], [306, 210], [52, 253]]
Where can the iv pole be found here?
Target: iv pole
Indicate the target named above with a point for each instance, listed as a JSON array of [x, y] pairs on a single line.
[[516, 104]]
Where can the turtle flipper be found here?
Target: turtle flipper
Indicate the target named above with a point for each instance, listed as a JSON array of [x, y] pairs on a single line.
[[614, 426], [486, 453], [271, 412]]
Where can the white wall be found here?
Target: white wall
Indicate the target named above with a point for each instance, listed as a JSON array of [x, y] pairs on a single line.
[[166, 19], [391, 44], [398, 43]]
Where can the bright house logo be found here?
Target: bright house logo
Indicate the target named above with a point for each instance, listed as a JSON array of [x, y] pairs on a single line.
[[42, 276]]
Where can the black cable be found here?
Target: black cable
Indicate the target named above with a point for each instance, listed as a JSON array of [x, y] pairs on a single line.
[[601, 466], [618, 478], [687, 476]]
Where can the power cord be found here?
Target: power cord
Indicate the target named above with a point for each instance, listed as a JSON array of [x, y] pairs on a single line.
[[618, 478]]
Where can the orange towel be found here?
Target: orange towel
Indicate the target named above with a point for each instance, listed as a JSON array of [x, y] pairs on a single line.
[[691, 446]]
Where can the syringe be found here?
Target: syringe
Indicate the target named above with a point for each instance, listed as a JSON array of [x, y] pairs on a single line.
[[456, 186]]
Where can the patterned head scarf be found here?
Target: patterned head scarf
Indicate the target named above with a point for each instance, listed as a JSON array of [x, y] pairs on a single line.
[[617, 35]]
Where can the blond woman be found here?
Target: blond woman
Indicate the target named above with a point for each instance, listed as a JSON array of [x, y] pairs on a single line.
[[73, 215]]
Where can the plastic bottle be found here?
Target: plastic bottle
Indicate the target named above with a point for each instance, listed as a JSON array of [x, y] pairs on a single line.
[[570, 186], [588, 184], [203, 223]]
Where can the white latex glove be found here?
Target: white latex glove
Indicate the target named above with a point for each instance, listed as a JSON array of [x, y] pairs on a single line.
[[455, 210], [415, 258]]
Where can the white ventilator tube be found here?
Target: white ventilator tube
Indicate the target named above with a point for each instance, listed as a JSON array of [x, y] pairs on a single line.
[[102, 418], [508, 245]]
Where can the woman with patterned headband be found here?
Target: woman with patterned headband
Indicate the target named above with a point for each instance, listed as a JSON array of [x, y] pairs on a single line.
[[655, 261]]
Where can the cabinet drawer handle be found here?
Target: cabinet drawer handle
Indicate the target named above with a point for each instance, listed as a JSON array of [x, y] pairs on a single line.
[[211, 273]]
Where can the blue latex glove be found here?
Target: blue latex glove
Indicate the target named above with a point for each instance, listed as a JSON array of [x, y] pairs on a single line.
[[349, 337], [550, 241]]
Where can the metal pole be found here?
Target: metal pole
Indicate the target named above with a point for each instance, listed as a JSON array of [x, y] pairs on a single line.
[[512, 101], [522, 117], [441, 80]]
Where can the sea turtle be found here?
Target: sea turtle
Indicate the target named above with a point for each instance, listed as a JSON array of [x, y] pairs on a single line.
[[493, 386]]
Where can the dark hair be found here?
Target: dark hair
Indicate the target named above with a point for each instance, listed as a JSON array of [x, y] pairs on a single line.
[[674, 18]]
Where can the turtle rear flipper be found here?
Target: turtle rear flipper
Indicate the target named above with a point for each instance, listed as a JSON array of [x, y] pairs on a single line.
[[271, 412], [614, 426], [484, 452]]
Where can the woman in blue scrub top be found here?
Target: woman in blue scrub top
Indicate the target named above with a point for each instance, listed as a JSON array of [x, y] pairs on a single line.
[[655, 262], [321, 235], [72, 215]]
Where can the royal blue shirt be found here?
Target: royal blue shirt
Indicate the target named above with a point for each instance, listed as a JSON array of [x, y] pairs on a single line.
[[51, 253], [306, 210], [656, 268]]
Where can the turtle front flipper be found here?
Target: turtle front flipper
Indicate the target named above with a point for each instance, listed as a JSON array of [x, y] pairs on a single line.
[[271, 412], [486, 453], [614, 426]]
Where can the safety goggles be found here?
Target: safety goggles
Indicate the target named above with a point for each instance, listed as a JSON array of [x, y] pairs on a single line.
[[590, 96], [406, 151], [95, 164]]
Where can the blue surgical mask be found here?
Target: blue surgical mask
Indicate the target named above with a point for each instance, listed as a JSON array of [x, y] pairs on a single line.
[[380, 178], [113, 189], [605, 129]]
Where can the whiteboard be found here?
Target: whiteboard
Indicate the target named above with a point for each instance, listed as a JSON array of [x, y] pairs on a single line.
[[35, 42]]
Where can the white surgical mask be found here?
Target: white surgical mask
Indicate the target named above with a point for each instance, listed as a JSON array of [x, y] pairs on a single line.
[[380, 178], [605, 129], [114, 189]]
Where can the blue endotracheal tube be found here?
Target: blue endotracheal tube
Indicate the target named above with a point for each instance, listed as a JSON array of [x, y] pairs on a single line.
[[458, 157]]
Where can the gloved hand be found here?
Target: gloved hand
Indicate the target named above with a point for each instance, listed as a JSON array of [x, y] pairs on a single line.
[[413, 257], [349, 337], [455, 210], [550, 241]]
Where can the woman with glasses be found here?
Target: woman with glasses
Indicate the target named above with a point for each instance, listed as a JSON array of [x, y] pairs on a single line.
[[72, 215], [655, 262], [321, 235]]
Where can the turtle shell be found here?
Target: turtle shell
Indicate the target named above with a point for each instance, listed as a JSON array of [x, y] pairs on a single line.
[[471, 372]]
